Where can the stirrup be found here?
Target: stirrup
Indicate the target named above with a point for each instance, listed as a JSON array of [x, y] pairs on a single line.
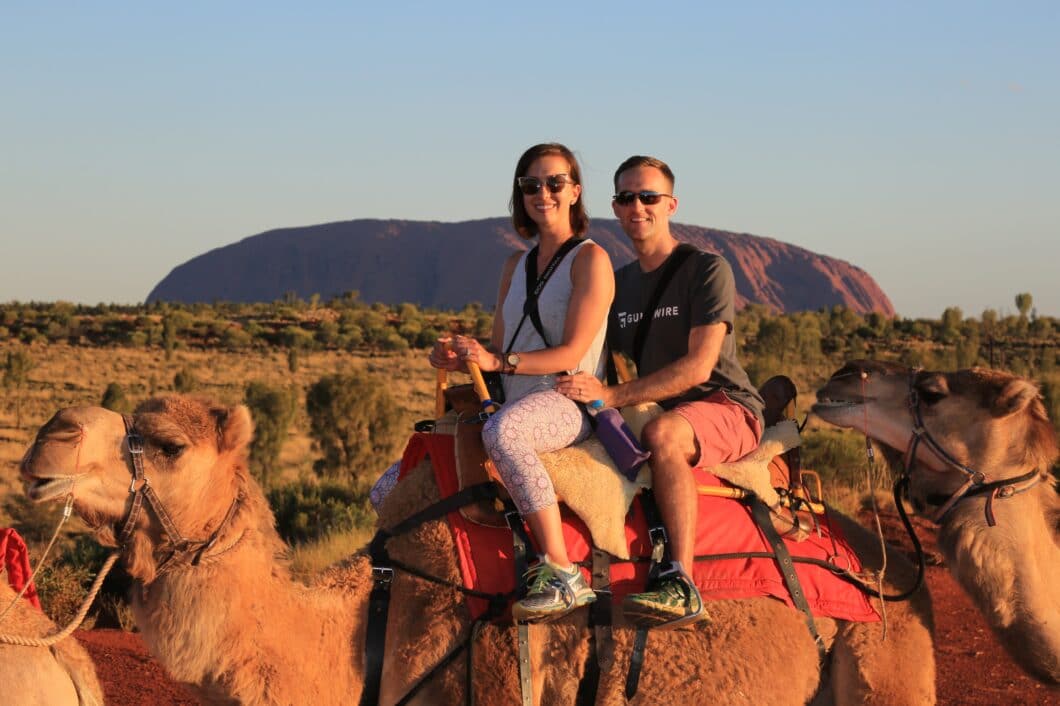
[[674, 623]]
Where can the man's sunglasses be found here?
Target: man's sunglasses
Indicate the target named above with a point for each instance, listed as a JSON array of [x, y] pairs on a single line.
[[648, 198], [531, 185]]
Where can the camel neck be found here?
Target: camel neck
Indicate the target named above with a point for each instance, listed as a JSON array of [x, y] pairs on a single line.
[[1012, 570]]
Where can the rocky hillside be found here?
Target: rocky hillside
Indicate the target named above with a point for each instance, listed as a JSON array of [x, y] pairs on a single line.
[[447, 265]]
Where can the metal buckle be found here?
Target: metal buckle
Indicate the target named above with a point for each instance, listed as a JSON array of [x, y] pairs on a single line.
[[382, 574]]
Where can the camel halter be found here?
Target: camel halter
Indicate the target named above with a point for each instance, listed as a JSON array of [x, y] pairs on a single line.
[[180, 546], [975, 482]]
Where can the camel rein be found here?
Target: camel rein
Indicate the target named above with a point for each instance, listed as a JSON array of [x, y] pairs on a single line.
[[975, 481], [79, 616]]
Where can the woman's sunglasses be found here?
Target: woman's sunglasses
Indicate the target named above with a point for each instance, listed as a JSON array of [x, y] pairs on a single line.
[[648, 198], [531, 185]]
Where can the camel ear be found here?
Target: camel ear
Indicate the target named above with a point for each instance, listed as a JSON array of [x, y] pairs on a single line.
[[1014, 397], [236, 428]]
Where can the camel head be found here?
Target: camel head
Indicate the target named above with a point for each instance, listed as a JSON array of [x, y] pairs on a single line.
[[988, 420], [194, 459]]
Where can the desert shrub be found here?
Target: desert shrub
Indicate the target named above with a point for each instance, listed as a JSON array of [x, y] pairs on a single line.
[[236, 337], [185, 380], [62, 587], [115, 400], [355, 422], [36, 523], [307, 510], [16, 373], [297, 337], [273, 409]]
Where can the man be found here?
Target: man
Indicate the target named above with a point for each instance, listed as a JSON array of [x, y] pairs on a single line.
[[688, 365]]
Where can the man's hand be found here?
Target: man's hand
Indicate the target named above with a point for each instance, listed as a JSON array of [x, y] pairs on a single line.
[[583, 387]]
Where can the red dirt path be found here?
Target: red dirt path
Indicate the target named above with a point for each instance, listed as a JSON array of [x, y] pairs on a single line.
[[973, 669]]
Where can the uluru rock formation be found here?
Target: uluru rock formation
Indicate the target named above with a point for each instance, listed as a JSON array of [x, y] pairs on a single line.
[[447, 265]]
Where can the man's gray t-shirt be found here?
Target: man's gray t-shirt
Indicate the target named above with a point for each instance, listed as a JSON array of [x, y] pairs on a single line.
[[702, 291]]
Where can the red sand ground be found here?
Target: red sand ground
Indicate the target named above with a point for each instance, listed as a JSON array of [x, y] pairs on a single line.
[[973, 670]]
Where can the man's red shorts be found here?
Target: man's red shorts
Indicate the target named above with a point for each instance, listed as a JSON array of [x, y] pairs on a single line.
[[725, 430]]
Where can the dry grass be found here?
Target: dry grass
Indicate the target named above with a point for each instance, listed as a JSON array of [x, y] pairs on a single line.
[[65, 375]]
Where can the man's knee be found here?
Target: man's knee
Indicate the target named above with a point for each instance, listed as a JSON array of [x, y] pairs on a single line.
[[669, 433]]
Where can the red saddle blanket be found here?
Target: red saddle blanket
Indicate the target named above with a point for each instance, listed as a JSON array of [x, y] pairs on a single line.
[[15, 560], [725, 526]]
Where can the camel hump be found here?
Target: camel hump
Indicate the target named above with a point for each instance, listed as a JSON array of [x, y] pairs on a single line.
[[779, 393]]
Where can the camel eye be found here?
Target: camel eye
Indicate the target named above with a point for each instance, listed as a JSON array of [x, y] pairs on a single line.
[[933, 390], [171, 450]]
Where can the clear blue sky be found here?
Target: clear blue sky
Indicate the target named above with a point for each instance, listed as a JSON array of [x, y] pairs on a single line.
[[919, 141]]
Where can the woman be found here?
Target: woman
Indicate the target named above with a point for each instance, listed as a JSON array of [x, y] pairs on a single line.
[[545, 204]]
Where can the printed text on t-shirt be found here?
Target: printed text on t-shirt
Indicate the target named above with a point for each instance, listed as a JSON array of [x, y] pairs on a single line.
[[662, 312]]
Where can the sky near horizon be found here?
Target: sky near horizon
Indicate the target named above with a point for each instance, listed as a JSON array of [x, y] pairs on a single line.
[[918, 141]]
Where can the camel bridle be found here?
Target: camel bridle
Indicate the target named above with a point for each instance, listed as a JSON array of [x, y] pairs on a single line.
[[975, 481], [179, 546]]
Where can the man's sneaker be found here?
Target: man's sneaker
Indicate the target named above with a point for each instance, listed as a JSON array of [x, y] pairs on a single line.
[[672, 601], [551, 593]]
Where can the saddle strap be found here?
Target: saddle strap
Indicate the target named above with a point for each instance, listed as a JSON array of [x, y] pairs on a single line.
[[520, 542], [660, 553], [601, 644], [787, 571]]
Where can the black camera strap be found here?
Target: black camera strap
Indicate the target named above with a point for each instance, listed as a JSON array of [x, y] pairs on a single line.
[[535, 285]]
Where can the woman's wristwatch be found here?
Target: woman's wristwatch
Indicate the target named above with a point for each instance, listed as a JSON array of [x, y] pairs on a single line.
[[509, 363]]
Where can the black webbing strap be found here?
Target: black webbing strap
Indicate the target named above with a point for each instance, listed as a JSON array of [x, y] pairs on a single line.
[[533, 291], [601, 643], [676, 259], [760, 513], [520, 545], [383, 576], [535, 285], [660, 553]]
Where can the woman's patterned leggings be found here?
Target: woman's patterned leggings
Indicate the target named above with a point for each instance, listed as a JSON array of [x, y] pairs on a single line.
[[541, 421]]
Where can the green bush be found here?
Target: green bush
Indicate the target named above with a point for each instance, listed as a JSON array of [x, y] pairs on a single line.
[[115, 400], [306, 510], [356, 424], [273, 410], [185, 381]]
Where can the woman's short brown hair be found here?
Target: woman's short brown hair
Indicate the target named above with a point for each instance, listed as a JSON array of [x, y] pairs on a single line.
[[524, 225]]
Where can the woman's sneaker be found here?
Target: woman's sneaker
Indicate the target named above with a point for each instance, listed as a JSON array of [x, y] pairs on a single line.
[[551, 593], [672, 601]]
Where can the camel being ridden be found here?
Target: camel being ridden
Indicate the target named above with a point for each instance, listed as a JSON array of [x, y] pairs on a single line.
[[978, 450], [217, 606], [59, 675]]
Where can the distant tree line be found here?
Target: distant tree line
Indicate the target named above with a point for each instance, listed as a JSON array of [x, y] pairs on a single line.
[[344, 323]]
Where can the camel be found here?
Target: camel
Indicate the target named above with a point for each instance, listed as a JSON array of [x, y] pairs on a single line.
[[226, 618], [1001, 546], [61, 675]]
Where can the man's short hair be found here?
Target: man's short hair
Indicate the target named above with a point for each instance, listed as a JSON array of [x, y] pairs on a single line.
[[639, 160]]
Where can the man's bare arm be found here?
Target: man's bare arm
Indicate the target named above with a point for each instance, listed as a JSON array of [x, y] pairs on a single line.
[[695, 367]]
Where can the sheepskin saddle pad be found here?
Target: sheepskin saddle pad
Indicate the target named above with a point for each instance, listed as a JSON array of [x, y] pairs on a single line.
[[14, 561], [725, 528], [587, 482]]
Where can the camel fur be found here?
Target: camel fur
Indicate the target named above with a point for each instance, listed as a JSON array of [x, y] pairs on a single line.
[[238, 629], [61, 675], [994, 423]]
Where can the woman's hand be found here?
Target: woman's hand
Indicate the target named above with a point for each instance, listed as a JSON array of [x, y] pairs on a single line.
[[469, 350], [582, 387], [444, 357]]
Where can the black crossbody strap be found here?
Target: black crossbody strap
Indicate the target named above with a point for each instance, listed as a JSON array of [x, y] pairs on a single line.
[[535, 285], [640, 337]]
